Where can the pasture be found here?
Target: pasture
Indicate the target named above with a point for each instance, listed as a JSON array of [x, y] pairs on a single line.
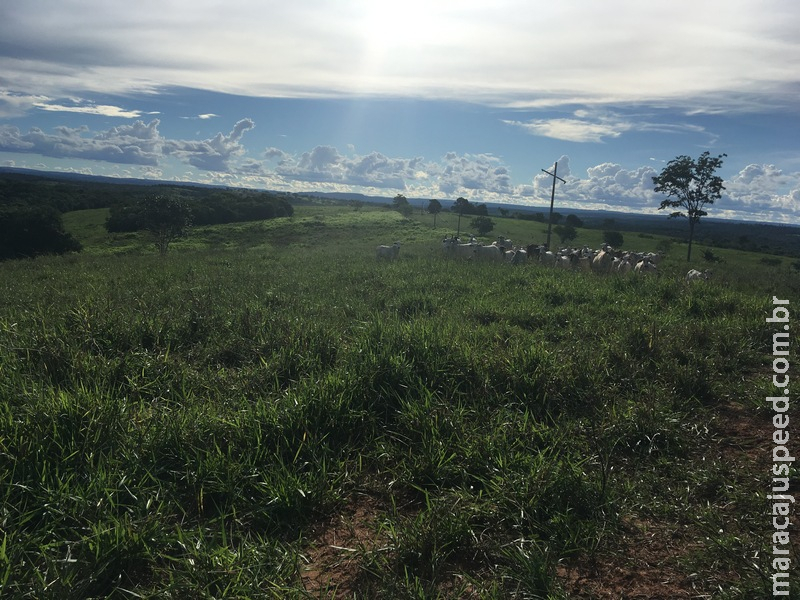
[[270, 412]]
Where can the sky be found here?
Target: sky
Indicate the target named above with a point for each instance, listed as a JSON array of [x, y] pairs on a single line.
[[425, 98]]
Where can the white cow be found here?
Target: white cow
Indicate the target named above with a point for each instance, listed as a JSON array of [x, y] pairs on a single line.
[[695, 275], [603, 261], [517, 256], [489, 253], [454, 247], [645, 267], [388, 252]]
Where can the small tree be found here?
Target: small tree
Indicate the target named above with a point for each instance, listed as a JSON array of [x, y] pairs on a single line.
[[167, 218], [613, 238], [482, 225], [574, 221], [690, 185], [565, 233], [434, 208], [401, 205]]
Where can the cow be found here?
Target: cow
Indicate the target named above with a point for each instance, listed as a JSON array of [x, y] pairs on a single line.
[[695, 275], [388, 252], [645, 267], [489, 253]]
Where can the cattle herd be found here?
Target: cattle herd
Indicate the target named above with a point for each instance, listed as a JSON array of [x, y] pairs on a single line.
[[604, 260]]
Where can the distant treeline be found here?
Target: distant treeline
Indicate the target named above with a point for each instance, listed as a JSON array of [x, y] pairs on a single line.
[[31, 207], [208, 207]]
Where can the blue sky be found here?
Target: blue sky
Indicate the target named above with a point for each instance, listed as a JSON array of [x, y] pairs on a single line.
[[428, 98]]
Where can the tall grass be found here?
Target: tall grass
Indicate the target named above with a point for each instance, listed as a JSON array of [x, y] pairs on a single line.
[[176, 427]]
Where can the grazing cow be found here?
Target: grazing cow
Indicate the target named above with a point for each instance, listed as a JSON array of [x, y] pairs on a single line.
[[548, 259], [585, 263], [625, 265], [645, 267], [454, 247], [388, 252], [504, 243], [603, 261], [695, 275], [563, 262], [516, 256], [489, 253]]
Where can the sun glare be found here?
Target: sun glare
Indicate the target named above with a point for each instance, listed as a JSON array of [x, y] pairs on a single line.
[[396, 35]]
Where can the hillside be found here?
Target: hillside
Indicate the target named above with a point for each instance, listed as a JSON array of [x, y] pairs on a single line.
[[269, 411]]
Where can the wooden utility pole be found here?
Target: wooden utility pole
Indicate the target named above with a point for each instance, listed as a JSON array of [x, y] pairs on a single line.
[[552, 200]]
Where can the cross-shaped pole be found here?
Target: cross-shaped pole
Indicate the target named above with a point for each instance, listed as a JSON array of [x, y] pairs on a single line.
[[552, 200]]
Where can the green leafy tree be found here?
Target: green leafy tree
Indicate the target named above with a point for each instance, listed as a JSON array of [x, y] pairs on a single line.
[[613, 238], [690, 185], [566, 233], [401, 205], [27, 231], [574, 221], [167, 218], [482, 224], [434, 208]]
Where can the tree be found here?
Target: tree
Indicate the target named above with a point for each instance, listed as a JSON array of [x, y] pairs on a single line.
[[690, 185], [401, 205], [574, 221], [613, 238], [461, 205], [566, 233], [434, 208], [482, 224], [167, 218], [27, 231]]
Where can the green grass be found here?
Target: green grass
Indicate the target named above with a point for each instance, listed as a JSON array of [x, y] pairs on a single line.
[[180, 427]]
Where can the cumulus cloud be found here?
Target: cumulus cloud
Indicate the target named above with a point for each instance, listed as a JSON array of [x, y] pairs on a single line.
[[325, 164], [136, 144], [214, 154], [763, 188], [474, 172], [139, 143]]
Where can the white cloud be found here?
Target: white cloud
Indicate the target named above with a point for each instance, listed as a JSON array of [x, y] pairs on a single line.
[[91, 109], [596, 126], [763, 188], [137, 144], [213, 154], [572, 130], [324, 164], [508, 51]]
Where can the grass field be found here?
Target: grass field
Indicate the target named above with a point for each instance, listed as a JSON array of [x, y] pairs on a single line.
[[270, 412]]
